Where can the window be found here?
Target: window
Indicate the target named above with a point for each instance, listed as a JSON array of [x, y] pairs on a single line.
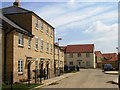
[[36, 64], [51, 33], [29, 42], [36, 23], [79, 54], [41, 25], [62, 53], [41, 44], [71, 63], [36, 43], [88, 63], [47, 30], [71, 55], [56, 51], [20, 39], [87, 54], [47, 46], [20, 66], [51, 48]]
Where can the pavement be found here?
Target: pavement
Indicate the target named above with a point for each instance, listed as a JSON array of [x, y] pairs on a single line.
[[53, 80], [113, 73]]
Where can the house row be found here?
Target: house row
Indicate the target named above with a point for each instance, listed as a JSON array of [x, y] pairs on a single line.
[[79, 55], [29, 50], [106, 58]]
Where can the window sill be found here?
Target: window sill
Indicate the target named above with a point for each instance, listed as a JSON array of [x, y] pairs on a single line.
[[20, 73], [36, 50], [36, 28], [47, 52], [41, 51], [47, 34], [29, 47], [41, 30], [20, 45]]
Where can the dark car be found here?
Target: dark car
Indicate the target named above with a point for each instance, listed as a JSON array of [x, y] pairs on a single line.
[[107, 67]]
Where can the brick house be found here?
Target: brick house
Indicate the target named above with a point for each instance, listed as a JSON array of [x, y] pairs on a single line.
[[106, 58], [28, 47], [111, 58], [98, 59], [80, 55]]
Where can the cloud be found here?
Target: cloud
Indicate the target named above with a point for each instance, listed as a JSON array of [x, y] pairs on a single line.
[[99, 27], [105, 37]]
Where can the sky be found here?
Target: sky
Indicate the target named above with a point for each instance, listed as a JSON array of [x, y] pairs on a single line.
[[79, 22]]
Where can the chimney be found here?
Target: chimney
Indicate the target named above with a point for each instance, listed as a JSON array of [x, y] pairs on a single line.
[[16, 3]]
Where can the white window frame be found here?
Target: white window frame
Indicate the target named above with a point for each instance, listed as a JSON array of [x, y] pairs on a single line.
[[51, 47], [41, 25], [71, 62], [36, 43], [47, 30], [29, 42], [47, 46], [36, 64], [36, 23], [41, 44], [51, 33], [20, 66], [20, 39], [87, 54], [79, 54], [71, 55]]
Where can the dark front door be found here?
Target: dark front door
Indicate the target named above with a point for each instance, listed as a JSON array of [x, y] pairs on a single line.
[[47, 70], [29, 74]]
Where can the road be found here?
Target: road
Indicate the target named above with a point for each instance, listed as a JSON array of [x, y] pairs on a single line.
[[86, 78]]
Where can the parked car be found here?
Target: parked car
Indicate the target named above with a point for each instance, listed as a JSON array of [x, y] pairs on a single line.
[[107, 67]]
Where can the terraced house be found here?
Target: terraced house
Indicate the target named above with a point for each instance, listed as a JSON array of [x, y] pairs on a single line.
[[80, 55], [28, 45], [59, 59]]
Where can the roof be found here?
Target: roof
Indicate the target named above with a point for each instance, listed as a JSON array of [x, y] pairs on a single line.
[[83, 48], [56, 45], [6, 20], [19, 10], [14, 10], [98, 53], [110, 56], [63, 47]]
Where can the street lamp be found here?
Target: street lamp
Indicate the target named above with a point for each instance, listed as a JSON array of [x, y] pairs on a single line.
[[118, 67], [58, 57]]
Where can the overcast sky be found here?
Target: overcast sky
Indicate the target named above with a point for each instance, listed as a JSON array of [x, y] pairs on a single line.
[[80, 22]]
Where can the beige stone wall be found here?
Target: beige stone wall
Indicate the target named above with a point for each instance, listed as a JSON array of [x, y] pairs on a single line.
[[21, 52], [83, 60], [47, 38], [9, 55], [61, 57]]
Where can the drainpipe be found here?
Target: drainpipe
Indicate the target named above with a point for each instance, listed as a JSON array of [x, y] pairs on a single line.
[[5, 55]]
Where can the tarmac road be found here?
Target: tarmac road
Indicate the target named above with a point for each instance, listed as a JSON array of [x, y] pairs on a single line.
[[86, 78]]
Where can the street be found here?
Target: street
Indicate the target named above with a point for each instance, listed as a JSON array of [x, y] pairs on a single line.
[[86, 78]]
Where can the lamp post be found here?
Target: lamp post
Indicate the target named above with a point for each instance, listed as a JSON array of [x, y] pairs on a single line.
[[118, 67], [59, 57]]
